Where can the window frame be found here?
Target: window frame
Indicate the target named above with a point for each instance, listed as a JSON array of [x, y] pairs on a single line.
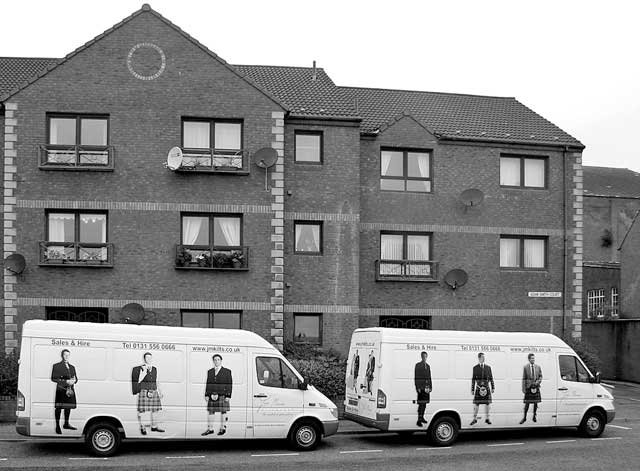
[[78, 118], [405, 169], [405, 235], [212, 130], [211, 315], [76, 311], [321, 238], [317, 315], [522, 158], [576, 363], [281, 362], [76, 229], [302, 132], [596, 301], [521, 254], [211, 217], [615, 301]]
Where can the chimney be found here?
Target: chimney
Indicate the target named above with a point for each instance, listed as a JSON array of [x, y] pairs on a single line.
[[314, 77]]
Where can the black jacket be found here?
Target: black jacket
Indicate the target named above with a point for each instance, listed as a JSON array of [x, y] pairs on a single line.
[[149, 382], [220, 384], [422, 376]]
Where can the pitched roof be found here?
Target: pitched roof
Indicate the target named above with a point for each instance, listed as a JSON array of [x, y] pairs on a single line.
[[15, 71], [304, 94], [457, 116], [607, 181]]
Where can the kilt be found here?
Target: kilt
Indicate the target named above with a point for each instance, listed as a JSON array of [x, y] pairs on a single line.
[[219, 405], [149, 404], [482, 394], [423, 397], [64, 401], [532, 397]]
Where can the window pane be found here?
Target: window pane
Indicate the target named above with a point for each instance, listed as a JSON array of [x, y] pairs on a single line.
[[391, 184], [391, 164], [195, 230], [419, 185], [417, 247], [226, 231], [534, 253], [195, 319], [568, 368], [289, 379], [93, 228], [307, 328], [391, 246], [509, 171], [583, 374], [196, 135], [61, 227], [226, 320], [62, 131], [307, 237], [93, 132], [534, 173], [509, 252], [418, 164], [307, 148], [268, 372], [228, 136]]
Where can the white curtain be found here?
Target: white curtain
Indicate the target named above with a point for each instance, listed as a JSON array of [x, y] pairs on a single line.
[[418, 248], [62, 131], [385, 158], [315, 232], [230, 230], [534, 173], [509, 252], [93, 132], [422, 161], [391, 247], [509, 171], [93, 228], [196, 135], [227, 136], [57, 227], [191, 229], [534, 253]]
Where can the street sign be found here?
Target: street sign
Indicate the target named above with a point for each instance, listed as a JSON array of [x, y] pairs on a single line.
[[545, 294]]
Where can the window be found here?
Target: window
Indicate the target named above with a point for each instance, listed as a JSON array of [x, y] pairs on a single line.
[[615, 302], [274, 373], [523, 172], [595, 303], [78, 314], [76, 237], [308, 147], [212, 241], [308, 237], [212, 319], [211, 144], [523, 252], [405, 255], [77, 141], [307, 328], [414, 322], [404, 170], [571, 369]]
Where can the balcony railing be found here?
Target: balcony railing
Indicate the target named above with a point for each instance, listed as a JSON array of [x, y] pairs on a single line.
[[213, 160], [212, 258], [61, 157], [406, 270], [63, 254]]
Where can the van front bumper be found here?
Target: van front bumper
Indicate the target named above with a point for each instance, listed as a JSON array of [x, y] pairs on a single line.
[[23, 426], [330, 427], [611, 414]]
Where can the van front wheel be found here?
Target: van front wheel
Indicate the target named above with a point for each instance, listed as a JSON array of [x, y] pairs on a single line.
[[304, 436], [592, 424], [103, 439], [443, 431]]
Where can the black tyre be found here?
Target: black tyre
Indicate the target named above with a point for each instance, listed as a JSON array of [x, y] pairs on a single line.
[[103, 439], [443, 431], [592, 424], [304, 435]]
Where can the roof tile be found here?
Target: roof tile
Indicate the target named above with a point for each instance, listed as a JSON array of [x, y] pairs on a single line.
[[14, 71], [608, 181]]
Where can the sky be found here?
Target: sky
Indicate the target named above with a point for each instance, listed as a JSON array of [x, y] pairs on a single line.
[[575, 62]]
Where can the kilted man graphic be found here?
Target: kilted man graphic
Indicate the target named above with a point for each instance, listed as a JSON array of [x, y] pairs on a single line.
[[217, 393], [144, 383], [65, 377], [482, 387], [531, 379]]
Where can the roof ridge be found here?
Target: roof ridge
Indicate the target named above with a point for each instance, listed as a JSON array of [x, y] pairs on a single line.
[[426, 91], [277, 66], [31, 58]]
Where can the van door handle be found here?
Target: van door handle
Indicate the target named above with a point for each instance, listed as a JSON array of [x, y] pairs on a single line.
[[259, 395], [563, 389]]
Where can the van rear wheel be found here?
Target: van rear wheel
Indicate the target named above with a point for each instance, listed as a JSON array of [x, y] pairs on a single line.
[[443, 431], [103, 439], [304, 435], [592, 424]]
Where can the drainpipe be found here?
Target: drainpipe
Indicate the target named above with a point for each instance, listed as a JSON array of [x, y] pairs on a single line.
[[565, 254]]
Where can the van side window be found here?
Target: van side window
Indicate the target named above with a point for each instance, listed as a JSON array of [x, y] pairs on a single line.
[[571, 369], [273, 373]]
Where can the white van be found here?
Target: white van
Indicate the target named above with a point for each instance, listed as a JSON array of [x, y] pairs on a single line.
[[107, 382], [444, 381]]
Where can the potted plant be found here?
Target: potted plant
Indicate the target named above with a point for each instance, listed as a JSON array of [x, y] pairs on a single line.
[[183, 257], [221, 260], [204, 259], [237, 258]]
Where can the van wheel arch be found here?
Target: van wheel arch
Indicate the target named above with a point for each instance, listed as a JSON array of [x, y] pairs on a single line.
[[593, 422], [311, 430], [104, 419], [103, 435], [444, 428]]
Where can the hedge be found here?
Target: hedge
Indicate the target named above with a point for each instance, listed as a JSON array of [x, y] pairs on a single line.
[[8, 374], [324, 370], [587, 353]]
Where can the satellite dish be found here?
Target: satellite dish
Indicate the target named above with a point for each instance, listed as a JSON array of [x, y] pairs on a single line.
[[15, 263], [456, 278], [174, 158], [472, 197], [265, 158], [132, 313]]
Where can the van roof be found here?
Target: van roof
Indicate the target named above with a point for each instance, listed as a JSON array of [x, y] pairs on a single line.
[[141, 333], [469, 337]]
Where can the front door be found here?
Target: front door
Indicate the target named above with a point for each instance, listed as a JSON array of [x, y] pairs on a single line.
[[575, 391], [277, 398]]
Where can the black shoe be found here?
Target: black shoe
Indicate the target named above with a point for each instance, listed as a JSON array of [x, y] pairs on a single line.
[[534, 418], [488, 421], [419, 423], [58, 431], [143, 430], [473, 422], [207, 432], [222, 432], [523, 420], [157, 429], [69, 427]]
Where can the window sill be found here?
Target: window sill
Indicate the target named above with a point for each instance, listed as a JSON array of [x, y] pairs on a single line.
[[212, 268], [74, 168], [407, 192], [218, 170], [406, 278], [76, 264], [523, 270]]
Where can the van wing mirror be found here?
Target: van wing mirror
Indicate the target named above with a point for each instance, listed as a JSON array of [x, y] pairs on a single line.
[[597, 378], [303, 385]]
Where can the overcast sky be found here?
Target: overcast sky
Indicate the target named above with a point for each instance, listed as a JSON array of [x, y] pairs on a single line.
[[576, 63]]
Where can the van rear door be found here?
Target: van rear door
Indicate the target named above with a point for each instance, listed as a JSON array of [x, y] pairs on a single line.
[[575, 391], [363, 375]]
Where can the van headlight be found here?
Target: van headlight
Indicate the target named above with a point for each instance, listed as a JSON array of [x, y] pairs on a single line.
[[334, 412]]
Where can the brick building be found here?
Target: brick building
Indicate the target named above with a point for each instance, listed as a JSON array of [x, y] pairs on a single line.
[[365, 218]]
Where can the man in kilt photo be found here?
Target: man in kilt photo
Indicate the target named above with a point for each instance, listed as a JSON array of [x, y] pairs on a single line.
[[531, 379], [217, 392], [64, 375], [481, 379], [144, 383]]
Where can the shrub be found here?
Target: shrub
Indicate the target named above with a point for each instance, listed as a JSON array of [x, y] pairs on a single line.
[[8, 374], [587, 353], [324, 370]]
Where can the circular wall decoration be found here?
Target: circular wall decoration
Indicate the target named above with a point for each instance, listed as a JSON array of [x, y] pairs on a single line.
[[146, 61]]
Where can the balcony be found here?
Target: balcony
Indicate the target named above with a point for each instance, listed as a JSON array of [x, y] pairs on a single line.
[[214, 161], [75, 254], [69, 157], [202, 257], [406, 270]]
